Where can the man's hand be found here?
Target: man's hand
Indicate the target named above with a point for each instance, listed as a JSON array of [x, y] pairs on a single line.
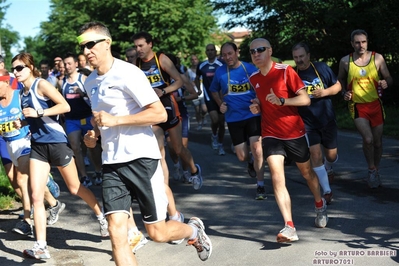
[[255, 107], [104, 119], [90, 139], [223, 108], [272, 98]]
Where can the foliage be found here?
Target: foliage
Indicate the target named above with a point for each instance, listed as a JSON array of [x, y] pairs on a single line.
[[324, 25], [8, 37], [181, 27], [7, 194]]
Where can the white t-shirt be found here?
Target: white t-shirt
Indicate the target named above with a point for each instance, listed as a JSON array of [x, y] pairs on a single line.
[[123, 90]]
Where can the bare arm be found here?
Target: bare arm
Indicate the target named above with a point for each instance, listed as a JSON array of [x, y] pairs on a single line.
[[60, 104], [330, 91], [343, 72], [167, 65], [192, 94], [301, 99], [386, 80], [152, 114]]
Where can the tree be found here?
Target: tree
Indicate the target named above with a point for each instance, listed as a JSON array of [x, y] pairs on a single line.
[[179, 27], [325, 25], [8, 38]]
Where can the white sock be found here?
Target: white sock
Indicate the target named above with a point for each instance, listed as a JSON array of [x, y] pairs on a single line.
[[323, 178], [175, 217], [195, 232], [100, 216], [41, 243], [328, 165], [132, 231]]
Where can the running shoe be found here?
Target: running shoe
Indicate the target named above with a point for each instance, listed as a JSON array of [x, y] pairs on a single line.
[[328, 197], [373, 179], [179, 241], [176, 172], [260, 193], [202, 242], [55, 212], [53, 186], [23, 228], [197, 178], [331, 175], [250, 169], [137, 241], [221, 150], [86, 181], [321, 215], [215, 143], [287, 234], [98, 180], [103, 227], [187, 178], [37, 252]]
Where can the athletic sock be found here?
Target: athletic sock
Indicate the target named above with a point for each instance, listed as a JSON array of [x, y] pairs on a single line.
[[327, 164], [290, 224], [175, 217], [100, 216], [195, 232], [323, 178], [319, 204], [41, 243]]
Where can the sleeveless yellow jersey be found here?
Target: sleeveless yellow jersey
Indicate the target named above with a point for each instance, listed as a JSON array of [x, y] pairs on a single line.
[[363, 81]]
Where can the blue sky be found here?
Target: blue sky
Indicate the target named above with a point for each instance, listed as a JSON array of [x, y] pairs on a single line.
[[24, 16]]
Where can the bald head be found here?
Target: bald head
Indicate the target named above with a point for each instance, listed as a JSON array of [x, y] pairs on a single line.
[[260, 42]]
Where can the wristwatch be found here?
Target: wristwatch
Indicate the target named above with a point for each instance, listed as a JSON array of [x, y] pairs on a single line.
[[282, 101], [40, 112]]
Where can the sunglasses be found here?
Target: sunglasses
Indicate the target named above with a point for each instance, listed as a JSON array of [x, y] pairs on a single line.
[[90, 45], [258, 50], [18, 68]]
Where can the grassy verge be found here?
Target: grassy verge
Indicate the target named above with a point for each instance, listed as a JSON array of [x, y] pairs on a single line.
[[391, 126], [7, 194]]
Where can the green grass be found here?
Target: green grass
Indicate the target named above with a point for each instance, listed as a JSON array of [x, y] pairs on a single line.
[[391, 126], [7, 194]]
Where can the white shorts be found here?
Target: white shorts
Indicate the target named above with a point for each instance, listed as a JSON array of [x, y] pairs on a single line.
[[18, 148]]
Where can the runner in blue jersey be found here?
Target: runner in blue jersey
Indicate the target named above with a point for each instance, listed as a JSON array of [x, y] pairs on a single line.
[[41, 106], [77, 121], [206, 71], [319, 117], [233, 93]]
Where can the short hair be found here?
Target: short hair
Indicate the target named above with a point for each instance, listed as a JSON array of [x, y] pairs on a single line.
[[44, 62], [97, 26], [130, 49], [73, 55], [143, 35], [358, 32], [301, 45], [233, 45]]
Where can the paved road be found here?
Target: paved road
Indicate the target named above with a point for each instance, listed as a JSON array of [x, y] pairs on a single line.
[[243, 230]]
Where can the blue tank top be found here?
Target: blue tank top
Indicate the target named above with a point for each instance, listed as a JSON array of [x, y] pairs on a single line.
[[80, 106], [8, 115], [45, 129]]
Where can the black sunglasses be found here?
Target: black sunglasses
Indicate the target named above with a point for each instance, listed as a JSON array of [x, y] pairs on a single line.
[[258, 50], [18, 68], [90, 45]]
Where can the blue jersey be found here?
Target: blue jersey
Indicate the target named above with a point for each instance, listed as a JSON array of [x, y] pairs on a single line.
[[80, 105], [207, 71], [8, 115], [43, 129], [237, 92], [320, 112]]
